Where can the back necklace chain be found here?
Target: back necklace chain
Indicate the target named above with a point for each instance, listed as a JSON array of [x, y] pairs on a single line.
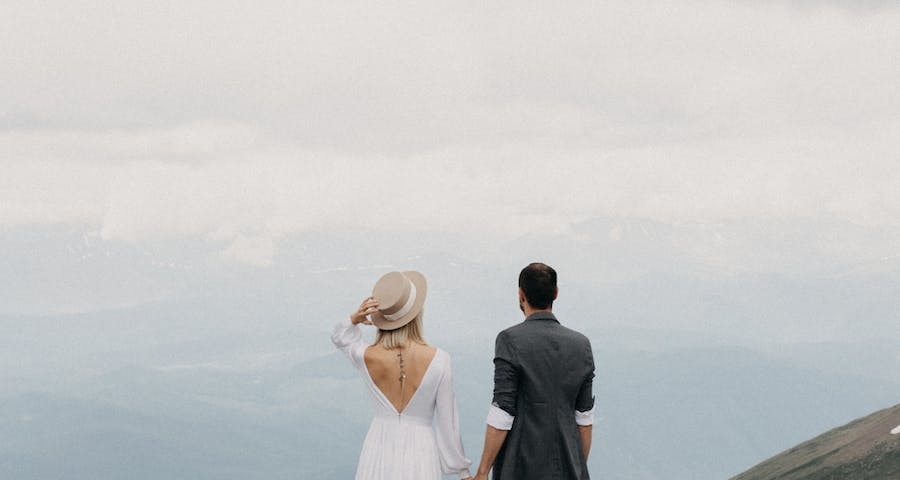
[[402, 378]]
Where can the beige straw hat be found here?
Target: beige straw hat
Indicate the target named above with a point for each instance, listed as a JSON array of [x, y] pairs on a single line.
[[400, 297]]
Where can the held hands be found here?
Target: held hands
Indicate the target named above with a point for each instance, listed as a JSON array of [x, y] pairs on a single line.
[[366, 308]]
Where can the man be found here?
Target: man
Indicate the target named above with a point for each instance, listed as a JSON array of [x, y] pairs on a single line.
[[540, 421]]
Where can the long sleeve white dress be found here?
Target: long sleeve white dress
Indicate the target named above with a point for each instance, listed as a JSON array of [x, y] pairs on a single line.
[[420, 443]]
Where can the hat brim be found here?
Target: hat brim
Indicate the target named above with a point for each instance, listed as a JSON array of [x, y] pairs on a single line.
[[421, 290]]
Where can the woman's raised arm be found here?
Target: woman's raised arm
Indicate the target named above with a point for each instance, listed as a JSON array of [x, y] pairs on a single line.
[[347, 336]]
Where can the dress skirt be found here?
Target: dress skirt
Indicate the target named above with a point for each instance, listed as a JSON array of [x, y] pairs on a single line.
[[399, 449]]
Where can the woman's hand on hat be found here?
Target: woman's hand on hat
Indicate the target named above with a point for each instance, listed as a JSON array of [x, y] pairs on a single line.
[[366, 308]]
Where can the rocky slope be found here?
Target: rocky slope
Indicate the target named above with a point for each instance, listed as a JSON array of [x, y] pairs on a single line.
[[864, 449]]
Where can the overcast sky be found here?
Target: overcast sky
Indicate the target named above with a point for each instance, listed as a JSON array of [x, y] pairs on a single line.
[[258, 120]]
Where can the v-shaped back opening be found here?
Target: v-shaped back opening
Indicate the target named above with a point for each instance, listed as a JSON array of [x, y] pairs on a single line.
[[402, 408]]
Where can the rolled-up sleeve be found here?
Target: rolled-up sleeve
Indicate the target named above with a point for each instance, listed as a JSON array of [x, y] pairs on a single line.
[[499, 419], [584, 419], [584, 404], [506, 383]]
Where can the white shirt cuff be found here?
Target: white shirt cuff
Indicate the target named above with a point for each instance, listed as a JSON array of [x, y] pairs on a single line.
[[499, 419], [584, 418]]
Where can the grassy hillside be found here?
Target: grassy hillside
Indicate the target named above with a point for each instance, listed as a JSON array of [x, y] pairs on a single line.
[[861, 450]]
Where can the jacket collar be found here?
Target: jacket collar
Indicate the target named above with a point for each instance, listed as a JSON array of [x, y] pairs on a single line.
[[542, 316]]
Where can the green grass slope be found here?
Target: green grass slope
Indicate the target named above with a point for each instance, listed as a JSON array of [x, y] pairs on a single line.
[[864, 449]]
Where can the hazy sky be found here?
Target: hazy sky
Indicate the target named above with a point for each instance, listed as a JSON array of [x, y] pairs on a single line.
[[249, 121]]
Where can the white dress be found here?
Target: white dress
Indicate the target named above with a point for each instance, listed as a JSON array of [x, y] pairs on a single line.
[[423, 441]]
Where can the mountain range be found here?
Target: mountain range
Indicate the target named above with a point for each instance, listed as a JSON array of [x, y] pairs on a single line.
[[166, 359]]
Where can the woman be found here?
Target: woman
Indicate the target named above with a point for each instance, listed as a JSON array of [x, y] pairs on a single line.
[[415, 432]]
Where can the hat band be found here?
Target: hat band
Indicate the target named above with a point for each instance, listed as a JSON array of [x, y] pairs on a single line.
[[406, 307]]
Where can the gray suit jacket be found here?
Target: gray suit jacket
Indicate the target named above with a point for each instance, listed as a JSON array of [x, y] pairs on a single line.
[[543, 373]]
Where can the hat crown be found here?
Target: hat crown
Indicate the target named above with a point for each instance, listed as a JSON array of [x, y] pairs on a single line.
[[392, 292], [400, 297]]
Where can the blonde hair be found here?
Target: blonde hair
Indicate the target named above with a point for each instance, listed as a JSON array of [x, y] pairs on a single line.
[[398, 338]]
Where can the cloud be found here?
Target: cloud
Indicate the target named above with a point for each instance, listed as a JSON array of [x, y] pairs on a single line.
[[403, 78], [257, 251], [258, 122], [271, 188]]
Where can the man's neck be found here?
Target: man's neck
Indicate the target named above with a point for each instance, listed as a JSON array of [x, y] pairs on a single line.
[[529, 312]]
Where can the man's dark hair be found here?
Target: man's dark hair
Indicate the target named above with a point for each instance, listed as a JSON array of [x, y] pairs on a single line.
[[538, 282]]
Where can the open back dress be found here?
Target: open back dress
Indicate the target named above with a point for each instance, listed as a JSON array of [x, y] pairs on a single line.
[[420, 443]]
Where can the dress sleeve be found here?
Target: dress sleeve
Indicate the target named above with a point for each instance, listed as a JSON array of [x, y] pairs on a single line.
[[446, 423], [348, 338]]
